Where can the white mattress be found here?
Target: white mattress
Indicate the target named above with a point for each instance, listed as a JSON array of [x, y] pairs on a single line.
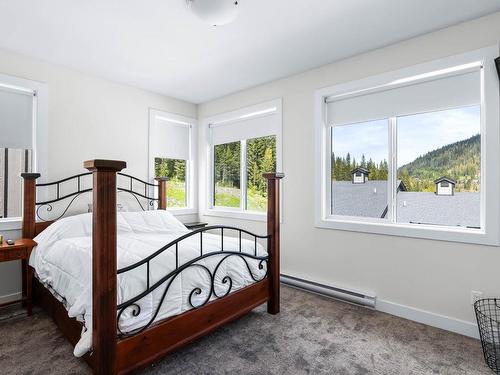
[[63, 258]]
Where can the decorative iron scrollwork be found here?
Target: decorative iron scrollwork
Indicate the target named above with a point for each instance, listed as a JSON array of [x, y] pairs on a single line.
[[208, 289], [47, 206]]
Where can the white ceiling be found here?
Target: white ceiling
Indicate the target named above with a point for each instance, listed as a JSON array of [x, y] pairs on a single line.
[[159, 46]]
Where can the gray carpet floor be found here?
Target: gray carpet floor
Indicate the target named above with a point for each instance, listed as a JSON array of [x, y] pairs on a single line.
[[312, 335]]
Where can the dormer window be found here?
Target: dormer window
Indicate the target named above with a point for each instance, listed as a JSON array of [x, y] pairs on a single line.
[[445, 186], [359, 175]]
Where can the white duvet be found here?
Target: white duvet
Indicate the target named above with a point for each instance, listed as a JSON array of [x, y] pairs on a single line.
[[63, 258]]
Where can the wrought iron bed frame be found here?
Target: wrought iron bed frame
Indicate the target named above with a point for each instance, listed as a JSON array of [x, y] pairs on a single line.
[[113, 350], [47, 204]]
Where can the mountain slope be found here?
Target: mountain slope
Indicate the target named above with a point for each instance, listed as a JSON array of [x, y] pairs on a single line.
[[459, 160]]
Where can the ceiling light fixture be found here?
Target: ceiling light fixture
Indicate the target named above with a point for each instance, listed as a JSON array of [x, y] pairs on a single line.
[[214, 12]]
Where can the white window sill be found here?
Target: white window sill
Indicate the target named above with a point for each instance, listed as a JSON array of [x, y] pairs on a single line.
[[236, 214], [440, 233], [11, 224]]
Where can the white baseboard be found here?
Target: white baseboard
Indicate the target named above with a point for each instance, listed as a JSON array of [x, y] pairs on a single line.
[[10, 297], [431, 319]]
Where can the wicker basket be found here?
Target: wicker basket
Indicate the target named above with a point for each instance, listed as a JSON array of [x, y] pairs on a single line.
[[488, 321]]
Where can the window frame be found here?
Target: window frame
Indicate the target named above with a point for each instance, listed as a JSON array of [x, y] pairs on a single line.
[[255, 110], [490, 155], [191, 163], [39, 132]]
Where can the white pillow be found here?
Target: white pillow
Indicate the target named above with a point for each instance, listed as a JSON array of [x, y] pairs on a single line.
[[67, 227], [153, 221], [139, 222], [75, 226]]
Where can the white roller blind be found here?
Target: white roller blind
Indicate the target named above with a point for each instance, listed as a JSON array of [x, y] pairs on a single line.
[[170, 139], [16, 119], [434, 95], [246, 128]]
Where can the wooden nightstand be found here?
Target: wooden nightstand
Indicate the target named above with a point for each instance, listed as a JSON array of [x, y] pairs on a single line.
[[21, 250], [196, 225]]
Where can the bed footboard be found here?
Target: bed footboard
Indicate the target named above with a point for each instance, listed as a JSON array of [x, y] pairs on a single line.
[[255, 265]]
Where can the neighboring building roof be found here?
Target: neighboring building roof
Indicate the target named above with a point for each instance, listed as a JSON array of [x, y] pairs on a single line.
[[450, 180], [461, 209], [360, 169], [401, 186], [367, 200]]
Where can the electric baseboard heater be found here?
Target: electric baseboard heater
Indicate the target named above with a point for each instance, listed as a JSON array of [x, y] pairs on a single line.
[[356, 297]]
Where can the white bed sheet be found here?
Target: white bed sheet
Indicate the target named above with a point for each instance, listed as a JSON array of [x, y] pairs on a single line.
[[63, 259]]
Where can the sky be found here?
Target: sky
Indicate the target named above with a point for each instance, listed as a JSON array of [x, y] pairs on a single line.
[[417, 134]]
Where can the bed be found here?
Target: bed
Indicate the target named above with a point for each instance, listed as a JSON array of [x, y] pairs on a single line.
[[127, 288]]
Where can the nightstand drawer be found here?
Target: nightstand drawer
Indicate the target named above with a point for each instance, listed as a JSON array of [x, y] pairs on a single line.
[[13, 254]]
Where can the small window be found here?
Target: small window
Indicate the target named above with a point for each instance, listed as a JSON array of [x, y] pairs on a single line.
[[445, 184], [171, 153], [244, 145], [227, 164], [358, 174], [175, 171], [13, 162]]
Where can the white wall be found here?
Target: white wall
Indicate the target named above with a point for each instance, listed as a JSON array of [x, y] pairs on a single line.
[[88, 118], [425, 280]]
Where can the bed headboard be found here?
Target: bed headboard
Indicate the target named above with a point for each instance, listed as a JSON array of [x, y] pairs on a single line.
[[147, 196]]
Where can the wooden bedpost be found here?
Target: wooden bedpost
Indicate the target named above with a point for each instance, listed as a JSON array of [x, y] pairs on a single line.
[[162, 192], [104, 338], [28, 230], [273, 230], [29, 203]]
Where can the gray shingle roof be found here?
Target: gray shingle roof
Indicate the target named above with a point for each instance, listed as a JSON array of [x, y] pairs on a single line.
[[370, 200], [461, 209], [367, 200]]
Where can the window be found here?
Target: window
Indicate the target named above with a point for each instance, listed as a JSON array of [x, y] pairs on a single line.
[[433, 146], [403, 152], [261, 158], [13, 161], [23, 116], [172, 156], [175, 171], [227, 166], [243, 145], [359, 169]]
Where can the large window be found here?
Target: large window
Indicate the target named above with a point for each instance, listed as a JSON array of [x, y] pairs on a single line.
[[243, 145], [17, 108], [172, 156], [404, 153]]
